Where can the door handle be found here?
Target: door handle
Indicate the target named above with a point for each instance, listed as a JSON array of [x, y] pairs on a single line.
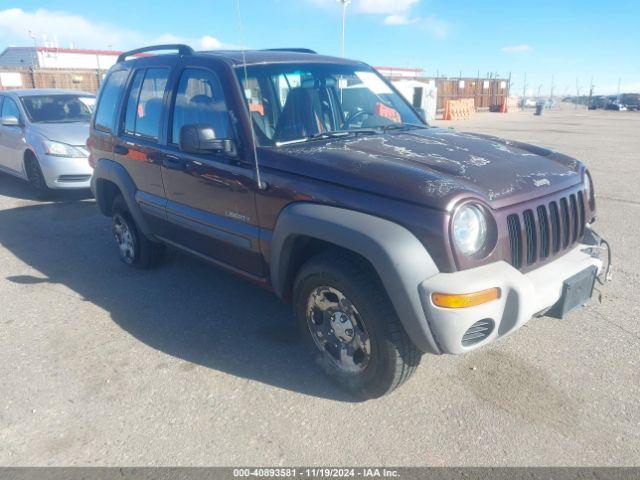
[[172, 162], [120, 150]]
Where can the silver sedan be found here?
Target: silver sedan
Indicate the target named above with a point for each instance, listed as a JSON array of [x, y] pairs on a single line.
[[42, 137]]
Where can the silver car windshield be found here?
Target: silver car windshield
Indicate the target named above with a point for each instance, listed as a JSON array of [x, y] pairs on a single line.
[[58, 108]]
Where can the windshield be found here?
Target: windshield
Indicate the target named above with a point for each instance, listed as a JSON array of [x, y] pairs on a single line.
[[59, 108], [291, 103]]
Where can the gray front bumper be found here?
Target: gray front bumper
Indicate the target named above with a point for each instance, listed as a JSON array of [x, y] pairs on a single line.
[[522, 296]]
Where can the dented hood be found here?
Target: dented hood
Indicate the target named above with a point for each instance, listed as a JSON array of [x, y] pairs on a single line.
[[432, 166]]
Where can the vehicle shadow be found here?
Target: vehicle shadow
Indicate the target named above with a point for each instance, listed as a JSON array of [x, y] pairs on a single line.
[[184, 308], [11, 186]]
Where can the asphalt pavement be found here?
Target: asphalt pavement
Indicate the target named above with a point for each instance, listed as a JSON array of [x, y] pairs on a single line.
[[101, 364]]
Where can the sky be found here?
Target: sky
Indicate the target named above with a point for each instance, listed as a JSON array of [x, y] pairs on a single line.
[[573, 42]]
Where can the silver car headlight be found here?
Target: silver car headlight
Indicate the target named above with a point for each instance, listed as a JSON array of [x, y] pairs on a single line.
[[58, 149], [470, 229]]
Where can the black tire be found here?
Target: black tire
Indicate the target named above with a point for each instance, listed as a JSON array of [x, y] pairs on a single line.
[[139, 251], [393, 357], [35, 176]]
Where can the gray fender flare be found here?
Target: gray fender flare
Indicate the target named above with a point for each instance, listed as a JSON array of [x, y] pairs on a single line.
[[117, 174], [400, 260]]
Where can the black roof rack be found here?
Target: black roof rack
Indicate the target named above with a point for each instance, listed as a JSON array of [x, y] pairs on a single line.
[[182, 50], [298, 50]]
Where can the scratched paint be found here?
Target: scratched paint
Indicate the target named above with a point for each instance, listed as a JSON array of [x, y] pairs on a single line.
[[425, 165], [478, 161]]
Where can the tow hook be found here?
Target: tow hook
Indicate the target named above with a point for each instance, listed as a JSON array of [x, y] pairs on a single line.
[[597, 247], [607, 273]]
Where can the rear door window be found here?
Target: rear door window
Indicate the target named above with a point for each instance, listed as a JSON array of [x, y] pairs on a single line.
[[145, 102], [132, 103], [109, 98]]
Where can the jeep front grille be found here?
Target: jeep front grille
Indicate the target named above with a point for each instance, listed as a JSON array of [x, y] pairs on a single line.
[[536, 234]]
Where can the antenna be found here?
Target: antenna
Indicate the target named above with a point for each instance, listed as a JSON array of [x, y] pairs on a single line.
[[261, 185]]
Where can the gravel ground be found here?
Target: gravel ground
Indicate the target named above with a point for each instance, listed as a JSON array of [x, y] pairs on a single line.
[[188, 365]]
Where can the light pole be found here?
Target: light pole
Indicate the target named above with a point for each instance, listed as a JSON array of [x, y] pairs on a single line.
[[34, 37], [345, 4]]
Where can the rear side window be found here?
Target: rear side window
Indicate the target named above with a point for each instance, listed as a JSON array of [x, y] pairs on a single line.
[[132, 103], [111, 91], [144, 105], [200, 100]]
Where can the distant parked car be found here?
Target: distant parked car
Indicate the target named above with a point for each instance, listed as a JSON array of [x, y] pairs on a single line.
[[43, 135], [620, 107], [631, 100], [598, 102]]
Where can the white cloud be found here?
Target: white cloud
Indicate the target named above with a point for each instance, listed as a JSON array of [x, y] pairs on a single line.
[[210, 43], [386, 7], [397, 12], [68, 28], [437, 27], [399, 20], [517, 49]]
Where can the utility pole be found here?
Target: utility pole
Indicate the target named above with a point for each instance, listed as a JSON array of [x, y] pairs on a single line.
[[34, 37], [577, 93], [618, 95], [551, 89], [591, 86], [345, 4], [524, 90], [98, 69]]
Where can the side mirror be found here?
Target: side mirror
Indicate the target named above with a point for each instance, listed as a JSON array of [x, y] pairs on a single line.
[[200, 138], [10, 121]]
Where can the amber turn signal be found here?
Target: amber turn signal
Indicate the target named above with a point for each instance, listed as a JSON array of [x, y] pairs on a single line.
[[464, 300]]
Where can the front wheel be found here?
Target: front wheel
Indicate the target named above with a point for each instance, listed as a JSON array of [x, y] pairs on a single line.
[[351, 327], [36, 177]]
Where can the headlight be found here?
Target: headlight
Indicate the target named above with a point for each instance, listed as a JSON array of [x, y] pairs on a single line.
[[469, 229], [58, 149]]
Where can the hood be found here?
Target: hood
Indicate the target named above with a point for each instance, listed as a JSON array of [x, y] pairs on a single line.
[[432, 166], [69, 133]]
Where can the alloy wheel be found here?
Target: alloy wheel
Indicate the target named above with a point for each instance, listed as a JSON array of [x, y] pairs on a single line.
[[124, 238], [338, 329]]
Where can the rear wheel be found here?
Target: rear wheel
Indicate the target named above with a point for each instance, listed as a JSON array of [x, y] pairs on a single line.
[[134, 248], [351, 327], [35, 176]]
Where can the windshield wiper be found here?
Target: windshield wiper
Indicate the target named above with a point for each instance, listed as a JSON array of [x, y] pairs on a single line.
[[343, 133], [400, 126], [330, 134]]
